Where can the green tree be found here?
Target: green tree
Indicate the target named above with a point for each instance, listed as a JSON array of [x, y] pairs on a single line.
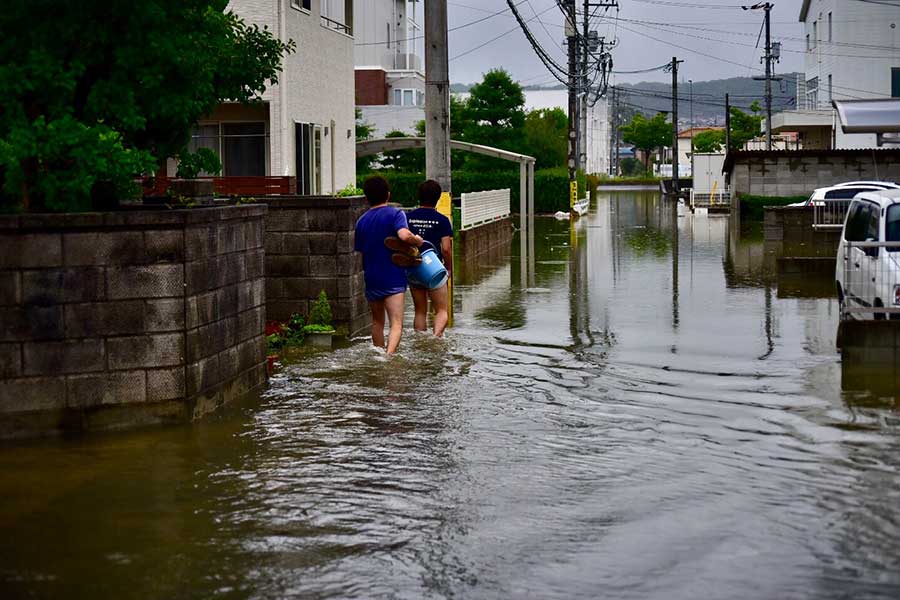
[[494, 116], [103, 91], [647, 134], [745, 127], [631, 166], [545, 136], [707, 142], [410, 161]]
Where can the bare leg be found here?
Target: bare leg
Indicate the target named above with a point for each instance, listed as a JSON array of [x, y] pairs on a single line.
[[377, 308], [420, 300], [440, 302], [394, 306]]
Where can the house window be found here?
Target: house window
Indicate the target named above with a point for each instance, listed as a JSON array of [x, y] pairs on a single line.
[[895, 83], [241, 147], [815, 34], [388, 38], [812, 93], [308, 153], [301, 4], [406, 97], [808, 47], [830, 89], [829, 27]]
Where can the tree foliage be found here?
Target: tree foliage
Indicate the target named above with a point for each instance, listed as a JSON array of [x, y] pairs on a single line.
[[96, 92], [545, 136], [493, 115], [707, 142], [745, 127], [647, 134], [403, 160]]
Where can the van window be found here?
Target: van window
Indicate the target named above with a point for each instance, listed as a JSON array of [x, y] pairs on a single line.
[[872, 223], [857, 222], [845, 193], [892, 226]]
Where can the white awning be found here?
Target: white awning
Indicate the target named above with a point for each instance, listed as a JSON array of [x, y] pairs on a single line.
[[869, 116]]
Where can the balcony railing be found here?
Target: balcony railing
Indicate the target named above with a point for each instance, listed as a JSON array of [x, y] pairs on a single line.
[[232, 186], [336, 25]]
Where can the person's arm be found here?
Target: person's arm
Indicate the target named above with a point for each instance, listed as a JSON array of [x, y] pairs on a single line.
[[409, 237], [447, 252], [403, 232]]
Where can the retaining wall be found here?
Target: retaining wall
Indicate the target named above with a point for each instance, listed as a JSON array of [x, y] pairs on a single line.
[[116, 319], [309, 248], [484, 238], [789, 233]]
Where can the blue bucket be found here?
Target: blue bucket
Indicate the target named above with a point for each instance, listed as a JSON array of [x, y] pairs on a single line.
[[430, 274]]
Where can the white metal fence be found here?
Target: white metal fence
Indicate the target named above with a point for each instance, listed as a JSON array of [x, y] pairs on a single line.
[[713, 199], [871, 280], [829, 214], [478, 208]]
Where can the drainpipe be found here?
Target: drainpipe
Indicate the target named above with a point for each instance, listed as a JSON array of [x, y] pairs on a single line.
[[333, 166], [282, 95]]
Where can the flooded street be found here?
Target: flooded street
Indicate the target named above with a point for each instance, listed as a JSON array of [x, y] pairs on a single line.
[[646, 414]]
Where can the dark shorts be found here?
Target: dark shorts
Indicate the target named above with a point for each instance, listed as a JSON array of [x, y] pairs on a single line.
[[381, 294]]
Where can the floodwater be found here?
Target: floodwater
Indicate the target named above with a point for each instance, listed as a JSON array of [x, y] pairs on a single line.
[[645, 414]]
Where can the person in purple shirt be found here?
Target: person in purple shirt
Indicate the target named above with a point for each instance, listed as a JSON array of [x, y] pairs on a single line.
[[385, 282], [427, 222]]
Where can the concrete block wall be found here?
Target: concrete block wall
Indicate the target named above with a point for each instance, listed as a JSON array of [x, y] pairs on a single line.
[[789, 232], [124, 318], [309, 248], [798, 173], [482, 239]]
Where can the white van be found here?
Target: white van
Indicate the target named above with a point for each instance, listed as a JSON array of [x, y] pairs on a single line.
[[868, 258]]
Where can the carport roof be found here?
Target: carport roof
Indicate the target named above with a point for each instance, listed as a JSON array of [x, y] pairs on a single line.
[[869, 116]]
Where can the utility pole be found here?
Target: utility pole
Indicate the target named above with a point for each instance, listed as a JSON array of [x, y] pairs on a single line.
[[614, 142], [727, 124], [674, 67], [768, 59], [585, 56], [437, 94], [572, 159], [773, 54]]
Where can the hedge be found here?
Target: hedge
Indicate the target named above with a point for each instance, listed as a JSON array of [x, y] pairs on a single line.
[[551, 186], [752, 207], [629, 180]]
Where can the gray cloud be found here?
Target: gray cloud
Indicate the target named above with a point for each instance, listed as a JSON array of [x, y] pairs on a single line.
[[715, 43]]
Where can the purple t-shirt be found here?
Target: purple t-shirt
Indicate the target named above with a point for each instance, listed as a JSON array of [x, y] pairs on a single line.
[[383, 278]]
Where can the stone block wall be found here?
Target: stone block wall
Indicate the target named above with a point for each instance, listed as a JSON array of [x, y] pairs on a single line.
[[798, 173], [124, 318], [309, 248]]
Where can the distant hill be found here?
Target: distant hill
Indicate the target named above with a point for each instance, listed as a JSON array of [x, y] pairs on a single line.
[[651, 97]]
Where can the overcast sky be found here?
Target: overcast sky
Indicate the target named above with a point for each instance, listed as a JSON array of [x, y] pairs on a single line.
[[715, 43]]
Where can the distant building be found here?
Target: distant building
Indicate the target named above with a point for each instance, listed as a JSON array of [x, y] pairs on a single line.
[[596, 139], [852, 51], [389, 64], [304, 125]]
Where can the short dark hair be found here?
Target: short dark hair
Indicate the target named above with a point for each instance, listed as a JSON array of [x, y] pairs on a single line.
[[377, 190], [429, 193]]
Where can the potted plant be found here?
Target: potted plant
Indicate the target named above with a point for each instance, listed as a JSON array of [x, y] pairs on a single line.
[[318, 330]]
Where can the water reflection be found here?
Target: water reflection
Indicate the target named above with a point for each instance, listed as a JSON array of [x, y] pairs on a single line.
[[640, 411]]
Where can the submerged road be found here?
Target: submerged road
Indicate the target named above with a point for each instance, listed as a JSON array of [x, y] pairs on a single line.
[[651, 418]]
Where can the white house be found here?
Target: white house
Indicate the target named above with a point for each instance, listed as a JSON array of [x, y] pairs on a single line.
[[389, 57], [305, 125], [852, 51]]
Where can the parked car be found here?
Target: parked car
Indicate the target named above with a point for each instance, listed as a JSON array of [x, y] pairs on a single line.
[[885, 185], [843, 191], [869, 276]]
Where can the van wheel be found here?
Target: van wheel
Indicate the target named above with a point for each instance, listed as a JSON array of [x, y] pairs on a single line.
[[879, 316]]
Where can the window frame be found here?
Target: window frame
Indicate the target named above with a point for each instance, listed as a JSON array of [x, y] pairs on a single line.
[[220, 143], [895, 82]]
